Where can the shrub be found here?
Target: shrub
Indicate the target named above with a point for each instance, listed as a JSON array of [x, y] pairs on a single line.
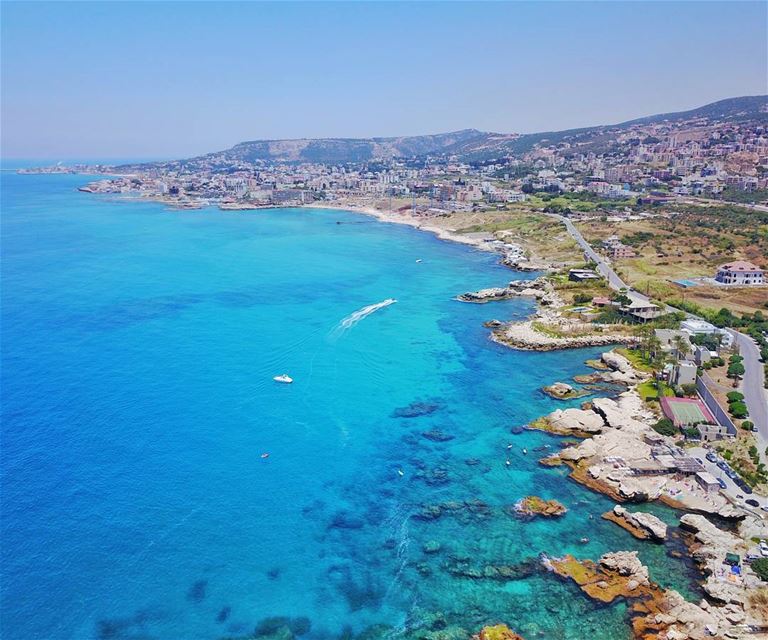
[[738, 410], [734, 396], [581, 298], [735, 370], [760, 567], [692, 433], [747, 425], [665, 427], [689, 389]]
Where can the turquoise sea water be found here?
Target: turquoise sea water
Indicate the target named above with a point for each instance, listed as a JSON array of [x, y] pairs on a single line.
[[138, 349]]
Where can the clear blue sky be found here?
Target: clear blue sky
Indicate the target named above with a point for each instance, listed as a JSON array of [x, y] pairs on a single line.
[[172, 79]]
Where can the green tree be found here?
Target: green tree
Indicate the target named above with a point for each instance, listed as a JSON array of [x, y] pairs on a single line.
[[682, 347], [736, 370], [689, 389], [738, 410], [760, 567], [665, 427]]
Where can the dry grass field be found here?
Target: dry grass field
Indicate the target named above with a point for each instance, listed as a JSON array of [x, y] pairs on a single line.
[[684, 245]]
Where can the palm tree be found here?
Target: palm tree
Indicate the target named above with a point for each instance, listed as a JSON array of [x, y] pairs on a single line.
[[646, 336], [682, 347]]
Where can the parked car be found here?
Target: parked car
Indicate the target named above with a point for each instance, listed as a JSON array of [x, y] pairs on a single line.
[[752, 502], [742, 485], [722, 484], [711, 456]]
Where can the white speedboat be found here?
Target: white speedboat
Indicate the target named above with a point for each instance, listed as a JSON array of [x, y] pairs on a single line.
[[284, 378]]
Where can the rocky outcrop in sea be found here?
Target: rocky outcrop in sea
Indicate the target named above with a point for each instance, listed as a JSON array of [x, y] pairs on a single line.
[[640, 524]]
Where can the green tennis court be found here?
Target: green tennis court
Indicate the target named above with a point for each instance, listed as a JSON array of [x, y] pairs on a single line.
[[686, 411]]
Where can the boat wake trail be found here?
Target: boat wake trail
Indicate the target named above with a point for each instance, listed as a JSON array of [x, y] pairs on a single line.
[[353, 318]]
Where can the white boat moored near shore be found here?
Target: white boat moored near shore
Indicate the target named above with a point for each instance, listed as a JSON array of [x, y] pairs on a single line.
[[284, 378]]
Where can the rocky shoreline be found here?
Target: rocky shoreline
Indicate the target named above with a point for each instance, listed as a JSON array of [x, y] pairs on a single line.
[[527, 337], [655, 613], [548, 329], [615, 436], [644, 526], [531, 288], [617, 445]]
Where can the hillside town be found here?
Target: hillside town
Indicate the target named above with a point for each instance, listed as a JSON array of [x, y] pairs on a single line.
[[646, 163]]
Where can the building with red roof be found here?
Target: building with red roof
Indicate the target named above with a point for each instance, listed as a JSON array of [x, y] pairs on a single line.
[[739, 272]]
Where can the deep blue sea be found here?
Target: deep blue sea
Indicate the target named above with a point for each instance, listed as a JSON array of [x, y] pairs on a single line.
[[138, 350]]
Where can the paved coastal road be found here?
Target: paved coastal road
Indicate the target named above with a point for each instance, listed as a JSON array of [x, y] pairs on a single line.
[[752, 387], [602, 266], [731, 488]]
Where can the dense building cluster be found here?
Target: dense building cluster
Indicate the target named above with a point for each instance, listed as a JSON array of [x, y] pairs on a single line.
[[653, 162]]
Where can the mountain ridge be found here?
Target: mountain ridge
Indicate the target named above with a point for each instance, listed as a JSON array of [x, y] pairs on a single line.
[[467, 144]]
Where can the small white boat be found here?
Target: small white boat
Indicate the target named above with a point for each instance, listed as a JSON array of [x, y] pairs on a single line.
[[400, 472], [284, 378], [525, 451], [419, 260]]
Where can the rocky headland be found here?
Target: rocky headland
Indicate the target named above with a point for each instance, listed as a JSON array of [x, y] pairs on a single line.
[[537, 289], [549, 329], [548, 335]]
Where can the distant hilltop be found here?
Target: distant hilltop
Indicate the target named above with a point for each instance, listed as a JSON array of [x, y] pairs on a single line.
[[467, 144]]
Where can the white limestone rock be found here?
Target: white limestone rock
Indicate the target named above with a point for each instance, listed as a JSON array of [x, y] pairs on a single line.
[[648, 522]]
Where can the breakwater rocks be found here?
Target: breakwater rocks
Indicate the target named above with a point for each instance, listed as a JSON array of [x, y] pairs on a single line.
[[532, 506], [644, 526], [539, 289]]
